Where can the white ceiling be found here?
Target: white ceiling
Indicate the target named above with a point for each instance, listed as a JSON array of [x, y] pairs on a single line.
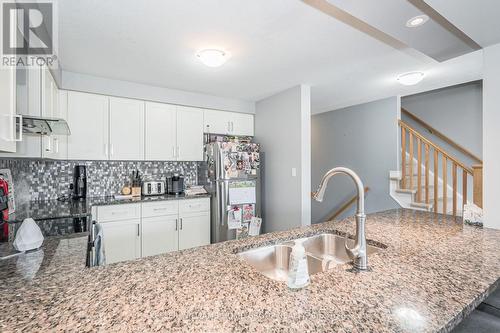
[[275, 44], [479, 19], [390, 16]]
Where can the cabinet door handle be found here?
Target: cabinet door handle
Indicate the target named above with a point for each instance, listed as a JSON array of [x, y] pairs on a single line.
[[181, 224], [106, 150], [178, 151], [49, 144], [229, 127], [176, 224], [20, 118], [173, 151], [138, 230], [56, 144], [232, 127], [112, 149]]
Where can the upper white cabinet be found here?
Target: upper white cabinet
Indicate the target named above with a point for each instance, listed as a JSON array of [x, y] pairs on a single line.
[[54, 105], [189, 134], [28, 102], [126, 129], [242, 124], [161, 132], [232, 123], [8, 132], [173, 133], [88, 122]]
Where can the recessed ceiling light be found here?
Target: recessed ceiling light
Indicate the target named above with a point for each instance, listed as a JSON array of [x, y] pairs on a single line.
[[417, 21], [410, 79], [213, 57]]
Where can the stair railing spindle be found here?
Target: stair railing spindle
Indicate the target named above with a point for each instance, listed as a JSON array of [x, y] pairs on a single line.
[[403, 158]]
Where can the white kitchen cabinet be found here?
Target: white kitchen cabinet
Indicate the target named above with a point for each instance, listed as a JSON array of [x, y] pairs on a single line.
[[154, 227], [160, 132], [194, 230], [242, 124], [28, 102], [216, 122], [230, 123], [50, 109], [8, 132], [126, 129], [189, 134], [159, 235], [122, 240], [89, 126], [194, 223]]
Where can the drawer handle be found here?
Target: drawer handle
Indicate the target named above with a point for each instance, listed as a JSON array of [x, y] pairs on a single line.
[[159, 209], [118, 213]]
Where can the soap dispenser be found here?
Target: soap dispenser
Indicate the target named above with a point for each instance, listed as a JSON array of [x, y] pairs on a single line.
[[298, 272]]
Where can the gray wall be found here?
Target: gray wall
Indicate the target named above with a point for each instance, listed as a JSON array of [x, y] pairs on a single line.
[[364, 138], [455, 111], [282, 127], [99, 85]]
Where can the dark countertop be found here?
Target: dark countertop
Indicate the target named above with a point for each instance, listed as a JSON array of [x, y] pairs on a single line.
[[55, 209], [434, 271]]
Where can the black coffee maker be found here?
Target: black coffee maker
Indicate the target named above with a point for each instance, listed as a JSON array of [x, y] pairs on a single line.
[[175, 184], [79, 182]]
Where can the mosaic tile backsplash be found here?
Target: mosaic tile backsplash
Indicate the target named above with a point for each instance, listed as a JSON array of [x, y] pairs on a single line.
[[46, 180]]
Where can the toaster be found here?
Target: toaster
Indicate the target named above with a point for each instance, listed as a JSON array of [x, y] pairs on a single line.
[[153, 188]]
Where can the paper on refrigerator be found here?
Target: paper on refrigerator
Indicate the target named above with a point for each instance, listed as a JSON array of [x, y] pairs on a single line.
[[254, 227], [234, 218], [242, 193]]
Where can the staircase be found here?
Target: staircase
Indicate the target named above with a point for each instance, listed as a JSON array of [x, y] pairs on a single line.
[[408, 197], [431, 179]]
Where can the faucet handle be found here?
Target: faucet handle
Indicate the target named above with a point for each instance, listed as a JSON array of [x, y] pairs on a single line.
[[352, 253]]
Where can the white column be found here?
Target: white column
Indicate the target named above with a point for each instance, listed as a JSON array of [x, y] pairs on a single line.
[[491, 136]]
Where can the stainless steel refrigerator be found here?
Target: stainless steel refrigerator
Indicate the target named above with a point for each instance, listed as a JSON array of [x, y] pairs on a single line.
[[234, 174]]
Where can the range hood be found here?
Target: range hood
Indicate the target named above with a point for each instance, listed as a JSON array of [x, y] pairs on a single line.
[[45, 126]]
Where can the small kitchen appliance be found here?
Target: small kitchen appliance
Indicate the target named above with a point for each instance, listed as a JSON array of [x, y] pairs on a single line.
[[153, 188], [79, 182], [175, 184]]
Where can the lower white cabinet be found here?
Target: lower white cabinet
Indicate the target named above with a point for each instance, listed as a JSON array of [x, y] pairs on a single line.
[[122, 240], [145, 229], [159, 235], [194, 230]]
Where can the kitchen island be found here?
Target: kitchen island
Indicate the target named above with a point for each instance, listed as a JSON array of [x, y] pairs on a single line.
[[433, 272]]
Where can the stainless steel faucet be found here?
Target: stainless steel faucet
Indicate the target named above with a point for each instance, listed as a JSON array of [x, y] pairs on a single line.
[[358, 252]]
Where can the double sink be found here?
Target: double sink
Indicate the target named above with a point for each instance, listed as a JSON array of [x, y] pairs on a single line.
[[323, 251]]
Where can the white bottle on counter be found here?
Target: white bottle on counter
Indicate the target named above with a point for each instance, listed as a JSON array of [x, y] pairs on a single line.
[[298, 272]]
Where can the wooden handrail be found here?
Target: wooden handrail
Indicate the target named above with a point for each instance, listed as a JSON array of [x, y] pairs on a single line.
[[346, 205], [440, 135], [441, 161], [415, 133]]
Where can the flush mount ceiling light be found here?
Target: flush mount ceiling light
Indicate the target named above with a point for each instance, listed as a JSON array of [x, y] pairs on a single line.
[[417, 21], [410, 79], [213, 57]]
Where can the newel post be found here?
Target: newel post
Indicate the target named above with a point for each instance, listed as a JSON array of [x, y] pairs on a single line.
[[477, 174]]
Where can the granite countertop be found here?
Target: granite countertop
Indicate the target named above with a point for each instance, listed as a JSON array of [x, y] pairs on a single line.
[[55, 209], [433, 272]]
